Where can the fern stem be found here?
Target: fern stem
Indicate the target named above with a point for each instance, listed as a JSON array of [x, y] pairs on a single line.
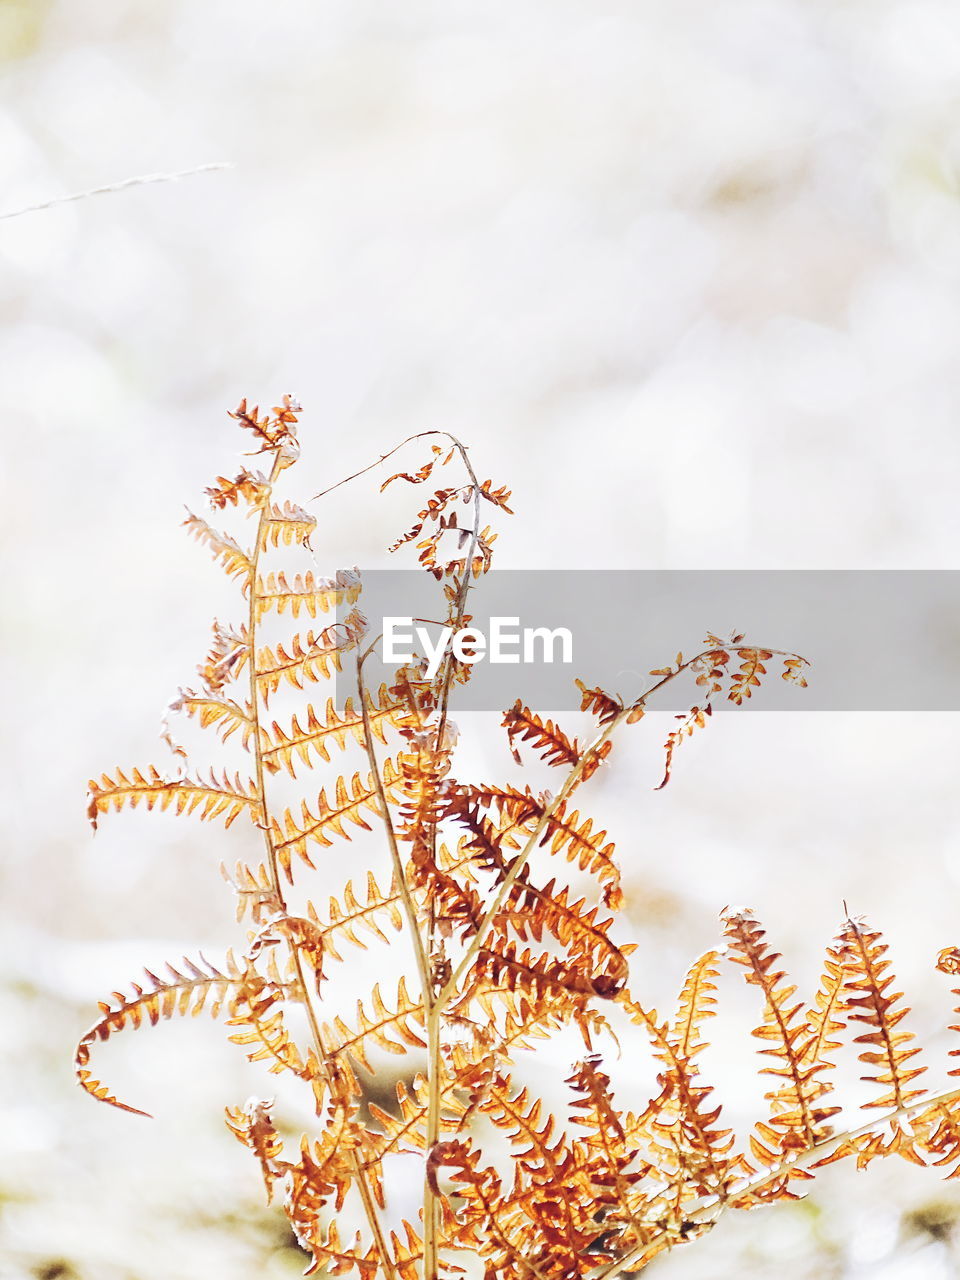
[[409, 906], [323, 1056], [430, 1263], [430, 1260]]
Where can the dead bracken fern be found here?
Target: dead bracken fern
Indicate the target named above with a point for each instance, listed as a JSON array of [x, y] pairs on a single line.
[[489, 957]]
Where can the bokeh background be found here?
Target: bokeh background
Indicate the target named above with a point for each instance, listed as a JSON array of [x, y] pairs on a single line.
[[685, 276]]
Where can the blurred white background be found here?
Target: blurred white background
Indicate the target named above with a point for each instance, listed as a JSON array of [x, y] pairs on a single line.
[[686, 277]]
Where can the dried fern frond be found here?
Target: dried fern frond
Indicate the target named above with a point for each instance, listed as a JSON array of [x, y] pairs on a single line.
[[485, 955]]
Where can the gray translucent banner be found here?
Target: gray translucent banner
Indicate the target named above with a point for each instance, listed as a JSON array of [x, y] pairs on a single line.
[[876, 640]]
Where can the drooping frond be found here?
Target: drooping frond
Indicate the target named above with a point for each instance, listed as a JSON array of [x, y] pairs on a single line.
[[547, 738], [578, 841], [228, 656], [749, 675], [217, 710], [251, 1124], [231, 557], [198, 987], [692, 720], [212, 798], [530, 911]]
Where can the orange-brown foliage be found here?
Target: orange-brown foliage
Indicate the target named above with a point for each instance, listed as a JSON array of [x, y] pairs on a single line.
[[490, 959]]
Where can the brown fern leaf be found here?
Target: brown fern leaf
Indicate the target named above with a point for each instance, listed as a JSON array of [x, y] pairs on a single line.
[[291, 838], [939, 1132], [252, 487], [228, 656], [530, 911], [471, 1067], [406, 1132], [310, 658], [824, 1020], [547, 739], [424, 473], [692, 720], [505, 968], [251, 1124], [255, 890], [214, 798], [796, 1121], [603, 705], [948, 961], [288, 524], [553, 1184], [678, 1130], [329, 1253], [373, 1030], [198, 987], [300, 742], [212, 709], [491, 842], [938, 1127], [424, 766], [498, 497], [273, 432], [312, 595], [342, 922], [265, 1029], [613, 1181], [481, 1193], [744, 682], [697, 1003], [589, 849], [327, 1167], [873, 1005], [231, 557], [563, 832], [407, 1254]]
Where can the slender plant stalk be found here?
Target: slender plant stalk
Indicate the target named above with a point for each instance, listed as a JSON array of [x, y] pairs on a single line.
[[323, 1055]]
